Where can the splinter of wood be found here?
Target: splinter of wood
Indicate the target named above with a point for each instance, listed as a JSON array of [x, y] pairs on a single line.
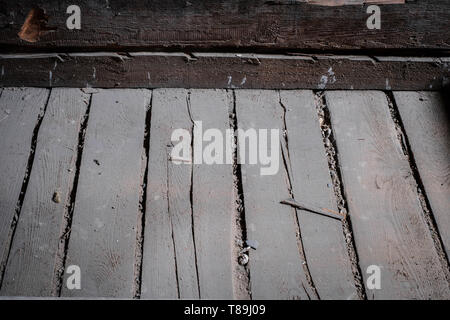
[[314, 209]]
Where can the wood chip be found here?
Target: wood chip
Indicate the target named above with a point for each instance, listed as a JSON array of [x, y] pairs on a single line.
[[314, 209]]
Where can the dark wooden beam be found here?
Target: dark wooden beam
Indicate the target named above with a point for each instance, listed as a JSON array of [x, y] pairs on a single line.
[[226, 25], [223, 70]]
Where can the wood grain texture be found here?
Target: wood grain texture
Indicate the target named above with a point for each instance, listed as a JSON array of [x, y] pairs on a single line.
[[103, 235], [19, 113], [169, 265], [31, 264], [276, 270], [349, 2], [311, 181], [248, 25], [213, 200], [426, 120], [223, 70], [388, 223]]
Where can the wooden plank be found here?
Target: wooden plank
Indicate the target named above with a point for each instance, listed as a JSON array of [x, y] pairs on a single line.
[[349, 2], [169, 266], [223, 70], [31, 265], [213, 200], [19, 113], [388, 223], [103, 237], [215, 24], [311, 181], [426, 121], [276, 270]]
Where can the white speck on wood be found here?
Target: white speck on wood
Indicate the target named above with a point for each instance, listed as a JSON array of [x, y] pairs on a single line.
[[323, 82], [332, 75], [388, 86]]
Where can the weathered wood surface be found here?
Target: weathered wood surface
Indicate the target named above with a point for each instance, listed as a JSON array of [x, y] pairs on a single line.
[[189, 210], [311, 182], [248, 25], [103, 234], [213, 200], [348, 2], [19, 113], [31, 265], [169, 264], [388, 223], [276, 267], [426, 120], [223, 70]]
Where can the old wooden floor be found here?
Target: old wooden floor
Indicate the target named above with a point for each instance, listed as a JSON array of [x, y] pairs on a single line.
[[86, 179]]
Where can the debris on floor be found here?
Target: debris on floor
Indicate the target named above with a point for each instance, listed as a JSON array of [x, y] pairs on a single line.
[[56, 197], [178, 160], [252, 244], [243, 259], [314, 209], [243, 256], [90, 90]]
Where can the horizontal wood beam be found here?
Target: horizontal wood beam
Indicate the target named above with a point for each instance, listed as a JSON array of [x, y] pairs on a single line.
[[230, 25], [340, 2], [223, 70]]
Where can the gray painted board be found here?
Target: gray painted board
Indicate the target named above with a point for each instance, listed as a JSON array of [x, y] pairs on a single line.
[[103, 237], [30, 269], [19, 112], [276, 270], [388, 223], [311, 182], [427, 124], [213, 199], [169, 266]]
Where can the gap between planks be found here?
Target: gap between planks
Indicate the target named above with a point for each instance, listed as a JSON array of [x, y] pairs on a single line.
[[241, 275], [142, 205], [338, 188], [191, 193]]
